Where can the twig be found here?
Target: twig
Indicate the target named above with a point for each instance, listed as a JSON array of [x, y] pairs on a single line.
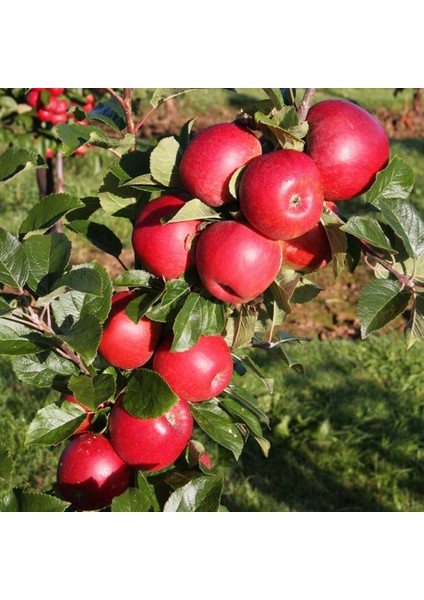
[[305, 104]]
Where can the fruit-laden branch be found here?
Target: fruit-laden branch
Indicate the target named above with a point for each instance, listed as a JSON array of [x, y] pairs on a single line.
[[305, 104]]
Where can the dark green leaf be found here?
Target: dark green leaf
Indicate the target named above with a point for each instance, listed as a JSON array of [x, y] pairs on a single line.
[[163, 94], [9, 502], [6, 462], [290, 140], [48, 211], [380, 302], [52, 425], [48, 256], [218, 425], [17, 160], [5, 308], [109, 112], [148, 395], [193, 210], [201, 494], [276, 96], [250, 363], [99, 235], [187, 327], [240, 327], [395, 181], [213, 316], [368, 229], [175, 290], [248, 400], [242, 414], [90, 205], [134, 278], [37, 502], [185, 134], [164, 162], [289, 360], [338, 242], [283, 288], [137, 308], [92, 391], [16, 338], [83, 336], [133, 500], [305, 291], [44, 370], [406, 223], [415, 327], [14, 266], [131, 165], [147, 489]]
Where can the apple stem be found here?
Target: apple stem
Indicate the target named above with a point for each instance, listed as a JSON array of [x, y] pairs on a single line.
[[305, 104]]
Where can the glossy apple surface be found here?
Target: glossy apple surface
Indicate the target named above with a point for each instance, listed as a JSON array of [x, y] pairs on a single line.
[[150, 444], [90, 473], [212, 157], [164, 249], [197, 374], [309, 252], [348, 145], [235, 262], [281, 194], [125, 344]]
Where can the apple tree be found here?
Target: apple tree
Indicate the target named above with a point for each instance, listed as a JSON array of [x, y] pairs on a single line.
[[226, 224]]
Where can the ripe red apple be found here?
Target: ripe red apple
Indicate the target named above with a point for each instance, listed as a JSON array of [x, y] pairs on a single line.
[[125, 344], [164, 249], [32, 98], [49, 153], [56, 91], [348, 145], [44, 115], [281, 194], [90, 473], [150, 444], [86, 424], [235, 262], [56, 119], [212, 157], [197, 374], [309, 252]]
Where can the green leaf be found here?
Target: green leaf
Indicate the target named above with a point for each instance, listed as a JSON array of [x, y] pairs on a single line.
[[133, 500], [17, 160], [48, 256], [48, 211], [305, 291], [201, 494], [148, 395], [276, 97], [134, 278], [395, 181], [250, 363], [194, 210], [283, 287], [245, 398], [52, 425], [187, 327], [289, 360], [16, 338], [284, 137], [406, 223], [368, 229], [109, 112], [90, 205], [415, 328], [175, 291], [147, 489], [213, 316], [14, 266], [92, 391], [163, 94], [184, 137], [83, 336], [240, 327], [144, 182], [74, 136], [116, 200], [164, 162], [380, 302], [234, 182], [137, 308], [45, 370], [218, 425], [338, 242], [5, 308], [9, 502], [99, 235], [37, 502], [242, 414], [6, 462]]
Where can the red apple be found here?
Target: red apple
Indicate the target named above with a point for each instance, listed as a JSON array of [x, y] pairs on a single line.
[[309, 252], [44, 115], [49, 153], [212, 157], [32, 98], [205, 460], [86, 424], [90, 473], [348, 145], [164, 249], [125, 344], [56, 91], [235, 262], [150, 444], [281, 194], [56, 119], [197, 374]]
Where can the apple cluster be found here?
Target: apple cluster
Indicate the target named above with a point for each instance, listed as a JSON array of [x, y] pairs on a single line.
[[276, 223]]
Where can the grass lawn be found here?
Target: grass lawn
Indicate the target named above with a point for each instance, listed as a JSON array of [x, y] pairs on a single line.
[[346, 436]]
